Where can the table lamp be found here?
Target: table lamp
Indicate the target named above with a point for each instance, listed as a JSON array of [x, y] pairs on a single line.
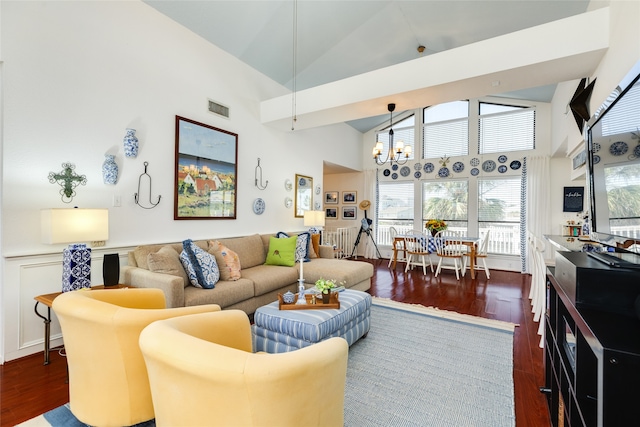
[[75, 225], [315, 220]]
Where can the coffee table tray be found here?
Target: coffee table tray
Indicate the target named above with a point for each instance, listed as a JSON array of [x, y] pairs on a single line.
[[334, 302]]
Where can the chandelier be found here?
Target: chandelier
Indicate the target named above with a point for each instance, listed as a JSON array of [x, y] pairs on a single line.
[[394, 154]]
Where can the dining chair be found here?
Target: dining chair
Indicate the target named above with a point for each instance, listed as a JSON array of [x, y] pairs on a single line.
[[416, 244], [450, 247], [393, 233], [481, 254]]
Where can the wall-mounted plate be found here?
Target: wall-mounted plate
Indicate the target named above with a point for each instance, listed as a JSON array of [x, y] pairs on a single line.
[[288, 202], [288, 185], [258, 206]]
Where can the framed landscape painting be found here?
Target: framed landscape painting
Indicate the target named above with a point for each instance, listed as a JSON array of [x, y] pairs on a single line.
[[206, 171]]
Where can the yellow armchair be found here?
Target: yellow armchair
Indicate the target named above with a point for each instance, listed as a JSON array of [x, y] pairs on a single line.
[[108, 382], [202, 372]]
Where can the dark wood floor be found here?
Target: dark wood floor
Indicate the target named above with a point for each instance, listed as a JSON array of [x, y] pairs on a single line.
[[28, 388]]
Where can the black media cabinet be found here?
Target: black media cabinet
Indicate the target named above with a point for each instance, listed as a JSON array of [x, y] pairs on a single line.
[[592, 343]]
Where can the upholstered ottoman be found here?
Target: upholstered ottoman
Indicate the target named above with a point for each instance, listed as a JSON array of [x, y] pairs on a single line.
[[279, 331]]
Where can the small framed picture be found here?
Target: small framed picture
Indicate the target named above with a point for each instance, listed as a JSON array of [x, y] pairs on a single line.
[[349, 212], [349, 197], [331, 213], [331, 197]]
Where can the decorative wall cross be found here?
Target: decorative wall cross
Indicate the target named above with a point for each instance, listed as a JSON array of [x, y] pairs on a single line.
[[68, 180]]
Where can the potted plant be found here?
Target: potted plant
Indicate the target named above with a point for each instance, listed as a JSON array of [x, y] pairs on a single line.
[[325, 286], [435, 225]]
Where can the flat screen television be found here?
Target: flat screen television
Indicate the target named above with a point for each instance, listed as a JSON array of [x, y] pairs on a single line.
[[613, 168]]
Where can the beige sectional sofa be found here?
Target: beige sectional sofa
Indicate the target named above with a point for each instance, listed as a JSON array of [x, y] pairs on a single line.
[[258, 285]]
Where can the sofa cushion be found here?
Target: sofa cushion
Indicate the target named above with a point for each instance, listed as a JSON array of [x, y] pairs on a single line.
[[200, 265], [141, 253], [249, 249], [225, 294], [227, 260], [282, 251], [167, 261], [314, 251], [269, 278], [303, 242], [340, 270]]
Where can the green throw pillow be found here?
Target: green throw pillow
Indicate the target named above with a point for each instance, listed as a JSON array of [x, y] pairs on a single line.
[[282, 251]]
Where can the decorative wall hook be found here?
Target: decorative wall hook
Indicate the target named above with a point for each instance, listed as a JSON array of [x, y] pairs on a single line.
[[136, 197], [68, 180], [260, 186]]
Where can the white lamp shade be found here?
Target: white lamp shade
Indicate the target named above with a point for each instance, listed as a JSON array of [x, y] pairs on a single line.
[[314, 218], [74, 225]]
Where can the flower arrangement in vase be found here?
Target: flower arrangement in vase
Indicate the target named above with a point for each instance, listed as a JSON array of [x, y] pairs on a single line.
[[435, 225], [325, 286]]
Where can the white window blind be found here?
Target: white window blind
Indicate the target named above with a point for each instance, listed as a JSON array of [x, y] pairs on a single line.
[[395, 200], [499, 212], [506, 128], [625, 117], [446, 130]]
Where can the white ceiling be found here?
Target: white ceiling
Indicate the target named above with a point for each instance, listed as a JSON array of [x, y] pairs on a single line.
[[340, 39]]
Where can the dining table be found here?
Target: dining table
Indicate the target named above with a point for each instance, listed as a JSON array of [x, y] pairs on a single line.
[[471, 242]]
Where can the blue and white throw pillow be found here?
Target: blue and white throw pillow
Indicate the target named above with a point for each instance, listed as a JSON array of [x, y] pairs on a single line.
[[200, 265], [302, 244]]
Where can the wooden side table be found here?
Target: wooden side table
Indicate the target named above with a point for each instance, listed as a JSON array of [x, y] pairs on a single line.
[[47, 300]]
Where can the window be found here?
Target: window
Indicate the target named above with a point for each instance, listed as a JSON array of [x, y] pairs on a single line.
[[403, 132], [395, 209], [447, 200], [625, 117], [499, 211], [506, 128], [622, 183], [446, 130]]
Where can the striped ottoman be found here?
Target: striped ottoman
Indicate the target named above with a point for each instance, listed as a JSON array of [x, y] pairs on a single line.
[[279, 331]]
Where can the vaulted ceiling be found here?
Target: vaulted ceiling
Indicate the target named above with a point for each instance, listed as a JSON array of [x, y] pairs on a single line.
[[341, 39]]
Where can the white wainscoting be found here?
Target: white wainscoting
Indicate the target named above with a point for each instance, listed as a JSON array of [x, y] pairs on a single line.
[[27, 276]]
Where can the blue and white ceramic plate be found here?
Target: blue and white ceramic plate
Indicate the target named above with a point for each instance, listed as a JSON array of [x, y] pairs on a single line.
[[474, 162], [386, 172], [502, 169], [475, 171], [417, 166], [618, 148], [428, 167], [636, 151], [394, 167], [596, 147], [515, 165], [258, 206], [417, 174], [458, 167], [394, 176], [596, 159], [405, 171], [489, 166], [502, 158], [443, 172]]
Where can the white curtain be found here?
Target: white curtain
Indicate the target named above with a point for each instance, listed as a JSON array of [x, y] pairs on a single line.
[[538, 186], [537, 221], [370, 193]]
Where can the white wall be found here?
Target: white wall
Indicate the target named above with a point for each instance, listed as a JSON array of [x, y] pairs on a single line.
[[74, 76]]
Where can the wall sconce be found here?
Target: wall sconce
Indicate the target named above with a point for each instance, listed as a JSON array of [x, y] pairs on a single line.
[[75, 225], [394, 154]]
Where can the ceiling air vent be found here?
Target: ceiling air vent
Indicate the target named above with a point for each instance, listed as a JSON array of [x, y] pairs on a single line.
[[219, 109]]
